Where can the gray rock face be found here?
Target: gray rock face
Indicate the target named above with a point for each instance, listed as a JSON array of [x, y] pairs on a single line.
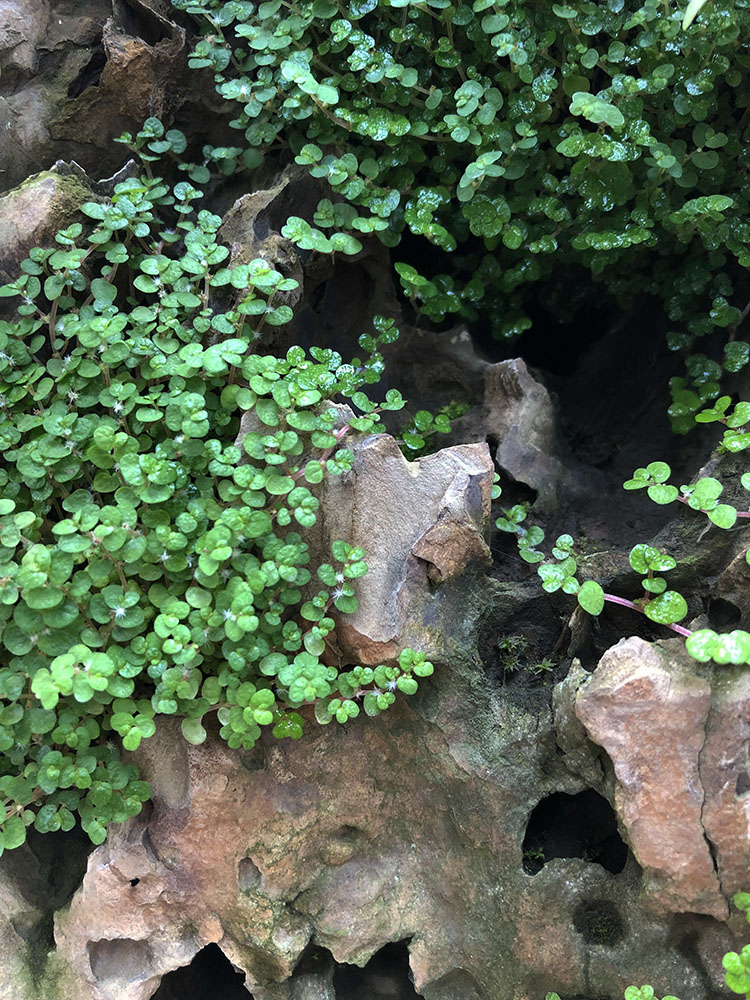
[[107, 66]]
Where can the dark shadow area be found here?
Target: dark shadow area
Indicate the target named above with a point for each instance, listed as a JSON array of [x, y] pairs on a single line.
[[564, 326], [598, 921], [210, 976], [47, 870], [138, 21], [723, 614], [385, 977], [91, 73], [573, 826]]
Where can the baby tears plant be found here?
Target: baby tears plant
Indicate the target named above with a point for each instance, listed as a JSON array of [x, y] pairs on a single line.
[[663, 606], [525, 142], [159, 477]]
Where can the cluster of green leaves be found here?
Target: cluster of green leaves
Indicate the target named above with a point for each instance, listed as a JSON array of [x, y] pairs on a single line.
[[521, 139], [736, 966], [419, 435], [702, 385], [703, 496], [663, 606], [158, 477]]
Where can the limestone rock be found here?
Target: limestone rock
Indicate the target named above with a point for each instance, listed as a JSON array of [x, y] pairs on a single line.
[[725, 777], [18, 918], [419, 523], [579, 753], [23, 24], [518, 412], [109, 65], [271, 850], [649, 712]]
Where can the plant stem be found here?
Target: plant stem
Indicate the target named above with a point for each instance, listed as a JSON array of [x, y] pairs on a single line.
[[625, 603]]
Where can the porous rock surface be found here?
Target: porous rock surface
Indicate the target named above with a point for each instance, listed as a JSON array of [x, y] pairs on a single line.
[[410, 827], [678, 744]]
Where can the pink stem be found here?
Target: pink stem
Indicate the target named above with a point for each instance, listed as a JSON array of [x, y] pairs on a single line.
[[625, 603]]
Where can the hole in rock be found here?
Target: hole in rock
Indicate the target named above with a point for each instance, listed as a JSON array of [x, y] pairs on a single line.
[[385, 977], [573, 826], [91, 73], [138, 22], [723, 614], [210, 976], [598, 921], [134, 882], [743, 784], [248, 875], [120, 958]]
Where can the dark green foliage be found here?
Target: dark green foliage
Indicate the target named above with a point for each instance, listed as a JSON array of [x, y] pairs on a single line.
[[520, 139]]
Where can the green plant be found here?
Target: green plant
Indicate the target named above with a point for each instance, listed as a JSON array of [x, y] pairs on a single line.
[[524, 142], [665, 607], [418, 436], [158, 478]]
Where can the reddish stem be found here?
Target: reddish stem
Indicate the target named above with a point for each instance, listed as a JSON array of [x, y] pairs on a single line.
[[625, 603]]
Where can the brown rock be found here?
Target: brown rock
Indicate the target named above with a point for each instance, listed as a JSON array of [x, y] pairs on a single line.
[[352, 838], [725, 775], [650, 714], [417, 522], [110, 64]]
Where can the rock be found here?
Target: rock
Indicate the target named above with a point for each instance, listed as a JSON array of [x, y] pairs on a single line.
[[108, 65], [725, 776], [427, 847], [420, 523], [508, 406], [23, 25], [251, 229], [18, 920], [518, 413], [649, 712], [408, 827], [31, 214], [580, 756]]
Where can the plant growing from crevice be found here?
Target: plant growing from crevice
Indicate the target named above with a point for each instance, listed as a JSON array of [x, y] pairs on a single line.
[[159, 478], [660, 605]]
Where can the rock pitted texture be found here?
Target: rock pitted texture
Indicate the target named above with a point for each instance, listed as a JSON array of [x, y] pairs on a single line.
[[678, 745], [410, 827]]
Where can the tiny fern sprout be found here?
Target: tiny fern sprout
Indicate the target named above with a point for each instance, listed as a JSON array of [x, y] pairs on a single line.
[[153, 558]]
